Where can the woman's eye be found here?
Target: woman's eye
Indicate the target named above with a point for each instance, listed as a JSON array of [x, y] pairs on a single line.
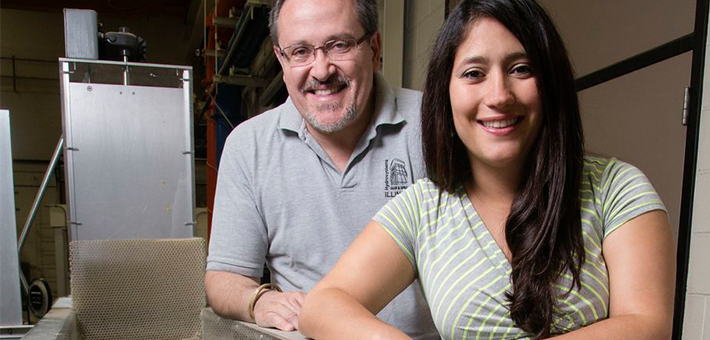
[[522, 70], [472, 74]]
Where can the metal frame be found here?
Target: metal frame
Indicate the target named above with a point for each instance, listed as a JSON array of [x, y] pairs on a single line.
[[185, 75], [121, 63], [637, 62], [10, 302], [691, 161], [190, 142]]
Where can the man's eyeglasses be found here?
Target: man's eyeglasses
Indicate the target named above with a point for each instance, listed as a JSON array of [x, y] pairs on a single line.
[[338, 49]]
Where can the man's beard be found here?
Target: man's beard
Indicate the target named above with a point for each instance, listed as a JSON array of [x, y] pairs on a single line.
[[313, 114], [345, 119]]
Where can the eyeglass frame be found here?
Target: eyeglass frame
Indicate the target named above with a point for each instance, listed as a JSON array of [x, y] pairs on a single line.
[[323, 47]]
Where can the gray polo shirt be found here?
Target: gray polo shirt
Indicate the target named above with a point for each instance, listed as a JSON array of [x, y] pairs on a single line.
[[281, 200]]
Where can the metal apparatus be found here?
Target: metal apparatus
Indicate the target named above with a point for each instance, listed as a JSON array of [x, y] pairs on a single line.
[[128, 150]]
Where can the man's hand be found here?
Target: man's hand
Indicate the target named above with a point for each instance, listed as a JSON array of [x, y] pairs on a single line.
[[279, 310], [229, 296]]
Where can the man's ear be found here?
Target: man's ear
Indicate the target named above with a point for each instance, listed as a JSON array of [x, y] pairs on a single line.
[[376, 44], [279, 57]]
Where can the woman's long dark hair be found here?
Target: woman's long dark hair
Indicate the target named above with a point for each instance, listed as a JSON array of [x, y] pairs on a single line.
[[543, 230]]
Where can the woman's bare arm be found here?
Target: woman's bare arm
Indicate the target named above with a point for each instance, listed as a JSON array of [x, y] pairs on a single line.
[[641, 263], [366, 278]]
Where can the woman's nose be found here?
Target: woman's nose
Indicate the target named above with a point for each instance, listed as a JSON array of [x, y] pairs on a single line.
[[498, 93]]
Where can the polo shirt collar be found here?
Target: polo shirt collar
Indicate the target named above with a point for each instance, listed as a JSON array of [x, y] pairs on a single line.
[[386, 111], [290, 118]]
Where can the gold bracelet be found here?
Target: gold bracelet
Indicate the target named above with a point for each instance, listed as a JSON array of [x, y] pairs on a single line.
[[259, 292]]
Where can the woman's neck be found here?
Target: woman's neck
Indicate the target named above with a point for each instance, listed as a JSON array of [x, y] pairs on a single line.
[[494, 184], [492, 190]]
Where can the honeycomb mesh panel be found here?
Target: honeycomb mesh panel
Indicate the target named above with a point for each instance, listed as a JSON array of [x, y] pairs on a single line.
[[138, 289]]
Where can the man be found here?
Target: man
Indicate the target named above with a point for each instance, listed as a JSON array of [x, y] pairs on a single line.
[[299, 182]]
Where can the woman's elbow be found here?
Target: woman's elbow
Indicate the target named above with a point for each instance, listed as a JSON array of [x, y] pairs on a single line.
[[308, 315]]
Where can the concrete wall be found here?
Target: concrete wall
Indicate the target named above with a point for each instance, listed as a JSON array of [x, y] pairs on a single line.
[[697, 305]]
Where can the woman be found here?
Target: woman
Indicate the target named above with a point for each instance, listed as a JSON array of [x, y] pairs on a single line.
[[515, 234]]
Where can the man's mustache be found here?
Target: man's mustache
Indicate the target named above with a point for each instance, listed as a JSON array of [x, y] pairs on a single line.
[[334, 81]]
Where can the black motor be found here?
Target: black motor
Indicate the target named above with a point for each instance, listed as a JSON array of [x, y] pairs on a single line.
[[121, 46]]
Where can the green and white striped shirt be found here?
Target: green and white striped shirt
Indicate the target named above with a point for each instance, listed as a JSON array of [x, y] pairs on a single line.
[[464, 274]]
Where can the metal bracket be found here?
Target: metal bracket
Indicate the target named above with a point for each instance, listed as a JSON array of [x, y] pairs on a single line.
[[14, 332], [212, 53], [686, 106]]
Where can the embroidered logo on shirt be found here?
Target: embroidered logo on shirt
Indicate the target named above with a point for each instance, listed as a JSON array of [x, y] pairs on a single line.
[[396, 177]]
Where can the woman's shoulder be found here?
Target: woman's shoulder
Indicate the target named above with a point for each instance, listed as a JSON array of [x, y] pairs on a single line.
[[427, 188], [426, 195], [423, 185], [605, 171]]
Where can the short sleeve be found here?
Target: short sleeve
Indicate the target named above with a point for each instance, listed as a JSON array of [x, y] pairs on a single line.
[[238, 240], [627, 193], [400, 218]]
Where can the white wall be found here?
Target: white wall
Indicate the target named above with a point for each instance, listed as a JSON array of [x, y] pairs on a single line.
[[423, 20], [391, 15], [697, 304], [600, 33]]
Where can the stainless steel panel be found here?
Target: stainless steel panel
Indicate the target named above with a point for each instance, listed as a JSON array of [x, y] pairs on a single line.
[[10, 305], [123, 63], [81, 38], [129, 171], [105, 72]]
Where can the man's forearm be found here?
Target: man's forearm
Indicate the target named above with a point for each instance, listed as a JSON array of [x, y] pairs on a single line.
[[228, 294]]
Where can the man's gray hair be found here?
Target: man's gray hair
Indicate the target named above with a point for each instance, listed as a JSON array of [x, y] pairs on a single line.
[[366, 13]]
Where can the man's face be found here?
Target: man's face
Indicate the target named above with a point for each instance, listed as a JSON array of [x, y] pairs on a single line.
[[329, 94]]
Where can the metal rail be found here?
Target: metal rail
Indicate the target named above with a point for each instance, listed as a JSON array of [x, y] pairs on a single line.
[[637, 62]]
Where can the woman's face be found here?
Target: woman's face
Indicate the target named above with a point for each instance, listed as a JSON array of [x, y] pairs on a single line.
[[496, 107]]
